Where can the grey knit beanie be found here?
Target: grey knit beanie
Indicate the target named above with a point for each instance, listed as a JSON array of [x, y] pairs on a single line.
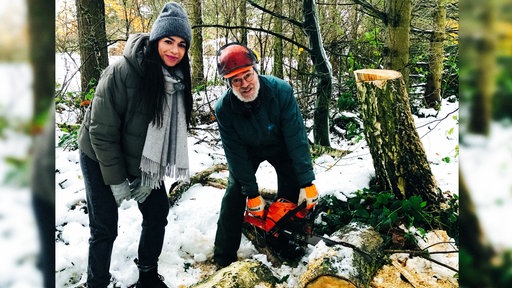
[[172, 21]]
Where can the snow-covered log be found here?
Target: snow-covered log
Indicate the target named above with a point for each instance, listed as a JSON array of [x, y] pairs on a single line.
[[341, 266], [203, 177], [240, 274], [178, 188]]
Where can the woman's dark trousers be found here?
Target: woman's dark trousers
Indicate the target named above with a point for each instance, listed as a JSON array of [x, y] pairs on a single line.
[[103, 218]]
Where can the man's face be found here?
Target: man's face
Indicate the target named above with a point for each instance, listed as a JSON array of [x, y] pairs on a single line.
[[245, 85]]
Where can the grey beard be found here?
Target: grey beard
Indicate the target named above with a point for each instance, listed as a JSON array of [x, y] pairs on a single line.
[[256, 90]]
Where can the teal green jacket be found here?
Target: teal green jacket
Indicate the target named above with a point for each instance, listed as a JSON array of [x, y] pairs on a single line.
[[270, 126]]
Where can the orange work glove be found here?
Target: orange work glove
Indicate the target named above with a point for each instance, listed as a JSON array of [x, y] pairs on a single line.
[[256, 206], [310, 195]]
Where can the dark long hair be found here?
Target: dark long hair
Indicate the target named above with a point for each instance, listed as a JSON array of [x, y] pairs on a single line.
[[153, 88]]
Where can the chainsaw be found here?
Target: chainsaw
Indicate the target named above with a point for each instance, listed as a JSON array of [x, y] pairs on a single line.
[[287, 229]]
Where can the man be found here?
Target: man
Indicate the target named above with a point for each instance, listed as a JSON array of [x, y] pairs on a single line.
[[259, 120]]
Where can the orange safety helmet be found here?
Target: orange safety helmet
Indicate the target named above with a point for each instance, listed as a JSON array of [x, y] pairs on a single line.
[[234, 58]]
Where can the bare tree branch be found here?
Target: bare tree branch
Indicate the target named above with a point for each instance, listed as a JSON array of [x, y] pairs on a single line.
[[371, 10], [292, 21], [256, 29]]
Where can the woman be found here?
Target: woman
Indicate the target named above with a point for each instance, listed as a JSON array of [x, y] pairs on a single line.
[[132, 136]]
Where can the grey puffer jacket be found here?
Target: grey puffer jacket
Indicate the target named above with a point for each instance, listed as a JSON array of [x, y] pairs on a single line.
[[270, 126], [114, 127]]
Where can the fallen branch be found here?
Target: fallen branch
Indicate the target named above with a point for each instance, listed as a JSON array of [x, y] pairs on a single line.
[[178, 188], [425, 255], [318, 150], [204, 178]]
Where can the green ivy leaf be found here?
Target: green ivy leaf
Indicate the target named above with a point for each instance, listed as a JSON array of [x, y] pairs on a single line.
[[362, 213]]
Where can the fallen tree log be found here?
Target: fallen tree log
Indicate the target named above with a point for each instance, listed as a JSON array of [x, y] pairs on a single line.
[[341, 266], [319, 150], [178, 188], [240, 274]]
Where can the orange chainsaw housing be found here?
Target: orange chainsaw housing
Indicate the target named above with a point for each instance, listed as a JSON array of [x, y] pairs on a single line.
[[274, 213]]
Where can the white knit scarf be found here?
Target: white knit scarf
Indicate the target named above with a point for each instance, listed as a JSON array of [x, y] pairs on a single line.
[[165, 151]]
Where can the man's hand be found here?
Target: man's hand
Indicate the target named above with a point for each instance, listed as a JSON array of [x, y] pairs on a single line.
[[121, 192], [139, 193], [310, 195], [256, 206]]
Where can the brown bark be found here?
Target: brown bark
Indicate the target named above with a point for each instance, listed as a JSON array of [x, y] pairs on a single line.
[[485, 68], [42, 58], [178, 188], [398, 155], [433, 89], [397, 42], [474, 242], [323, 69], [203, 177], [92, 41], [196, 49], [277, 70]]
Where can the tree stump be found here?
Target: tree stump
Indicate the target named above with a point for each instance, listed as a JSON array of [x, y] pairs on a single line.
[[341, 266], [240, 274], [398, 155]]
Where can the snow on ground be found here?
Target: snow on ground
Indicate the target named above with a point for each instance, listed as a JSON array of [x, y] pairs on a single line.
[[487, 166], [19, 246], [192, 220]]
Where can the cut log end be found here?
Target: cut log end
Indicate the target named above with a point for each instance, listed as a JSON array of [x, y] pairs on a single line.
[[363, 75], [330, 282]]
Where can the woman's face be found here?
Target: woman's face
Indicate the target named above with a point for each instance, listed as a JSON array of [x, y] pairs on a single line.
[[172, 49]]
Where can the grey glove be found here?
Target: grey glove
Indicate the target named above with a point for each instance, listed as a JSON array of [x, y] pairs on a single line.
[[139, 193], [121, 191]]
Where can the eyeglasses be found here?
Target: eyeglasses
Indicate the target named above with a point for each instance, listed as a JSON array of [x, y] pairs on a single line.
[[237, 82]]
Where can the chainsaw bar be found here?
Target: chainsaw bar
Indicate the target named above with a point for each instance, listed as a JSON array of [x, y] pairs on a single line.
[[314, 239], [305, 233]]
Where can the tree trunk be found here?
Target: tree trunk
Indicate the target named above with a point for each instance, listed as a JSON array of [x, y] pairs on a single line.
[[397, 43], [196, 49], [476, 249], [240, 274], [485, 71], [92, 40], [398, 155], [42, 58], [324, 73], [278, 47], [433, 88], [41, 25], [340, 266], [243, 22]]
